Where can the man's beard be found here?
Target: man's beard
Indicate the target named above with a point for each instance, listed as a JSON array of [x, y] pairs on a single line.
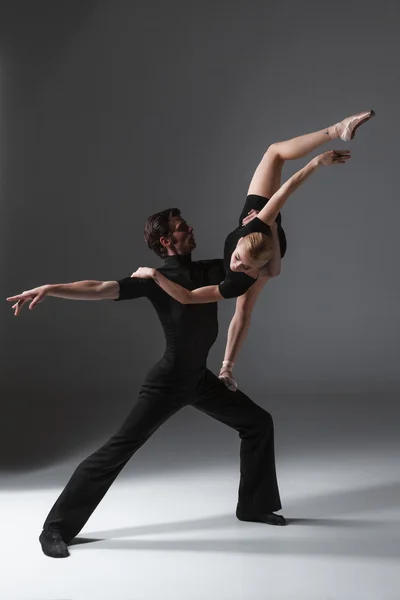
[[191, 243]]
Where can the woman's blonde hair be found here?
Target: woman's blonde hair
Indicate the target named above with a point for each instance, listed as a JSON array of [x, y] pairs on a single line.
[[259, 246]]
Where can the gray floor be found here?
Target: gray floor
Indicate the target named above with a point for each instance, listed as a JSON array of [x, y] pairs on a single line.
[[167, 528]]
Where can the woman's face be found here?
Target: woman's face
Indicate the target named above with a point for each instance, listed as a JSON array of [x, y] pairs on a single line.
[[241, 261]]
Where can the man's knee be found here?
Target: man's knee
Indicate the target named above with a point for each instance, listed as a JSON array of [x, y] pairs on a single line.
[[266, 420], [263, 422]]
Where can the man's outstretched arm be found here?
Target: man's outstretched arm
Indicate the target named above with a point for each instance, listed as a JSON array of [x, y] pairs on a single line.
[[78, 290]]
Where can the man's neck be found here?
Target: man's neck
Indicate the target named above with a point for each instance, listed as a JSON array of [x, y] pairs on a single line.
[[171, 252], [178, 258]]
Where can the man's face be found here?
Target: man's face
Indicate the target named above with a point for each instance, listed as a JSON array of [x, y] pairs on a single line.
[[182, 239]]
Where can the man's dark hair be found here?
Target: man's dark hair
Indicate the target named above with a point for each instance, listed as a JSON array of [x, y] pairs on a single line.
[[158, 226]]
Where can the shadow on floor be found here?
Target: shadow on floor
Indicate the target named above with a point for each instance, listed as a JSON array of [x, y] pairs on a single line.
[[318, 510], [372, 538], [371, 546]]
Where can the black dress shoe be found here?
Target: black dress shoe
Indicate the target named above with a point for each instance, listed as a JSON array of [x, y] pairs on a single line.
[[53, 545], [268, 518]]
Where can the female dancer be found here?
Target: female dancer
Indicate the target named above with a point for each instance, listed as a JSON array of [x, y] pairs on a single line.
[[249, 249]]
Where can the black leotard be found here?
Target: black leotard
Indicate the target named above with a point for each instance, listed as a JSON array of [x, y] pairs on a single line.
[[237, 283]]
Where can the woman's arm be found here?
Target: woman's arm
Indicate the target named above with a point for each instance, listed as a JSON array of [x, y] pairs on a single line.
[[240, 322], [270, 211], [203, 295]]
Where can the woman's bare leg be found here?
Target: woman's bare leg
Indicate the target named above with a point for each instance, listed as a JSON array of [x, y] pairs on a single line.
[[267, 177], [268, 172]]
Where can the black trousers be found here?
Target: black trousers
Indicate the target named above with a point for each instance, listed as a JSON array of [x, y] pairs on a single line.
[[258, 488]]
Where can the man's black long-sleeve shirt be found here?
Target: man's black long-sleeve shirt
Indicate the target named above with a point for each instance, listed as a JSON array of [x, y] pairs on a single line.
[[190, 329]]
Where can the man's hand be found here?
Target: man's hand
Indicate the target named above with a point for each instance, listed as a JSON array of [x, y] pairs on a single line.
[[144, 273], [33, 296], [333, 157], [250, 216]]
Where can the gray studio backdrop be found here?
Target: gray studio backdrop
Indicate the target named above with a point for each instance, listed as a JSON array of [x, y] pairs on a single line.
[[111, 111]]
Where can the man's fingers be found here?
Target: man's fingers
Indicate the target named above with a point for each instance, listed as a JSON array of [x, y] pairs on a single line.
[[22, 296], [18, 306], [22, 300], [250, 216], [35, 301]]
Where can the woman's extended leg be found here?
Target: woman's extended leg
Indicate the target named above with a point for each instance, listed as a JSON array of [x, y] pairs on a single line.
[[268, 173]]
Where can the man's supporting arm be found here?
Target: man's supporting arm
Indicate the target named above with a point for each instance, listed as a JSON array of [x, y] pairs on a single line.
[[203, 295]]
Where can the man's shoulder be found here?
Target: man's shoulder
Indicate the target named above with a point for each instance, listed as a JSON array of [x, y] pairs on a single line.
[[208, 262], [213, 270]]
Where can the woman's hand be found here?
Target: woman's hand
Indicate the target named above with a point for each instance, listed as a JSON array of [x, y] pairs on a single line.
[[144, 273], [225, 375], [33, 296], [333, 157]]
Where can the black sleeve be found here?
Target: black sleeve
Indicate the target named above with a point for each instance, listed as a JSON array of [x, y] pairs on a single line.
[[235, 284], [214, 269], [257, 203], [135, 287]]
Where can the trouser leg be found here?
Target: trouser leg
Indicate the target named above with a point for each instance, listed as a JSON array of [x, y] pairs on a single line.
[[93, 477], [258, 487]]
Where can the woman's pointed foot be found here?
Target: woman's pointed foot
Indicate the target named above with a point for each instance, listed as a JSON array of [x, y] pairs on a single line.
[[347, 128]]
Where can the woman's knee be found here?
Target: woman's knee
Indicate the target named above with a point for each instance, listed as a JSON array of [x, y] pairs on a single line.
[[273, 153]]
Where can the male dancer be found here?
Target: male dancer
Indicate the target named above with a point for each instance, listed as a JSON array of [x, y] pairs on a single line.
[[180, 378]]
